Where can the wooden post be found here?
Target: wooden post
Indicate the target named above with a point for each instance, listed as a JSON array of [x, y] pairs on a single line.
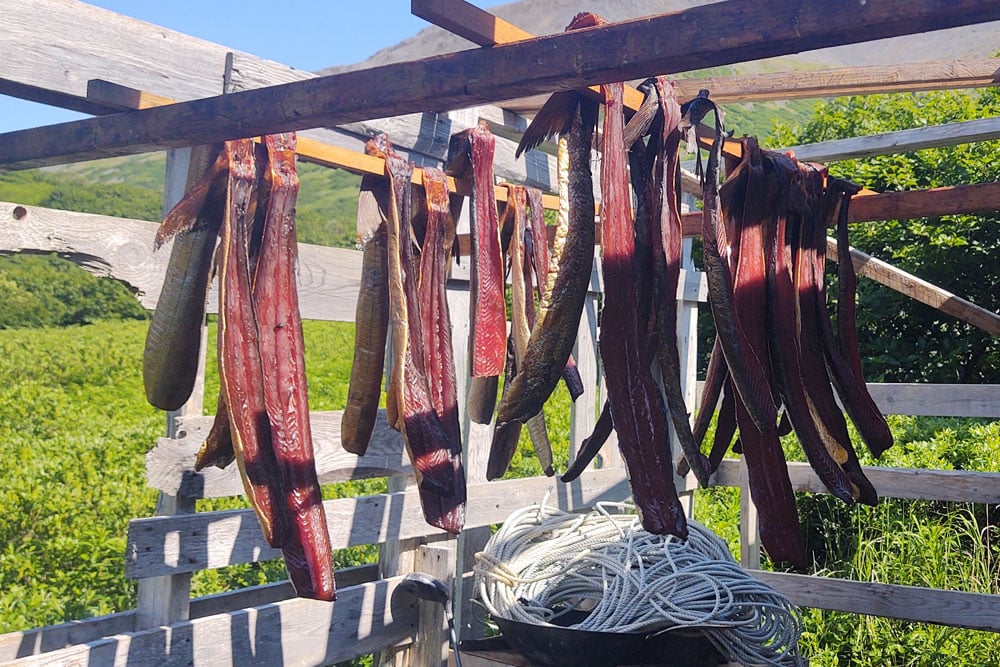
[[749, 534], [476, 439], [166, 600], [431, 645]]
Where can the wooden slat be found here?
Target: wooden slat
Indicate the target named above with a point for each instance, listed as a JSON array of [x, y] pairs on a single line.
[[170, 464], [168, 545], [914, 484], [919, 289], [27, 643], [627, 50], [328, 278], [795, 85], [311, 150], [901, 141], [292, 632], [54, 637], [949, 200], [937, 400], [958, 609]]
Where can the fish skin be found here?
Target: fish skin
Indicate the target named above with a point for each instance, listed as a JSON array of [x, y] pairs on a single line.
[[537, 247], [173, 341], [505, 437], [554, 332], [636, 406], [371, 320], [591, 446], [748, 372], [784, 314], [716, 376]]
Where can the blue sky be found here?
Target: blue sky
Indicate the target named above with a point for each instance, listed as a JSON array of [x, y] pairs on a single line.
[[306, 34]]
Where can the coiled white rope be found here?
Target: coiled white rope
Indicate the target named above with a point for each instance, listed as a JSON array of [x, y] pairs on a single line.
[[544, 562]]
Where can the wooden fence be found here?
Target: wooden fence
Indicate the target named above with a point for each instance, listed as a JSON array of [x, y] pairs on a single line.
[[266, 625]]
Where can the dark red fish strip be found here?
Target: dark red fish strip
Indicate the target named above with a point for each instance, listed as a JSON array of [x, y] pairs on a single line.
[[286, 396], [789, 359], [812, 305], [725, 428], [240, 370], [488, 312], [635, 399], [771, 491], [715, 378], [844, 359], [667, 244], [442, 492]]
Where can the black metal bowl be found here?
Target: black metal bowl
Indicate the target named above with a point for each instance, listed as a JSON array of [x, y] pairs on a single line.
[[557, 646]]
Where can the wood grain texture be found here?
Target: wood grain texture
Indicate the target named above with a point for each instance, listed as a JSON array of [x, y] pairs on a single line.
[[170, 464], [927, 605], [975, 73], [619, 51], [942, 485], [119, 248], [169, 545], [919, 289], [292, 632], [901, 141]]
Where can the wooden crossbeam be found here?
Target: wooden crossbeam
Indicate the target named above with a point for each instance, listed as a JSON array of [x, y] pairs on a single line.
[[571, 60], [977, 73], [901, 141], [919, 289], [122, 97], [837, 82]]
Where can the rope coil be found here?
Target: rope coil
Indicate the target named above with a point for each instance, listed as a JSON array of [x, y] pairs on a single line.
[[544, 563]]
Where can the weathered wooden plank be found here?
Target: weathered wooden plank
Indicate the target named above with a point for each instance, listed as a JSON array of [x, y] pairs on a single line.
[[292, 632], [949, 200], [53, 637], [626, 50], [902, 141], [907, 77], [168, 545], [170, 464], [123, 249], [919, 289], [27, 643], [941, 485], [937, 400], [959, 609]]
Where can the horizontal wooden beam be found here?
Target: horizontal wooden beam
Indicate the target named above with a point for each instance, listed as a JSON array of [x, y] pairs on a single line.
[[308, 149], [959, 609], [120, 248], [204, 540], [933, 202], [902, 141], [365, 618], [919, 289], [909, 77], [619, 51], [911, 483]]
